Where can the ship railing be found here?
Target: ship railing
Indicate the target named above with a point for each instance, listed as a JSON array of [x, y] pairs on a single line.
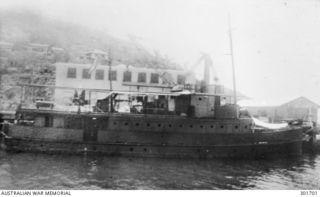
[[109, 92], [81, 107]]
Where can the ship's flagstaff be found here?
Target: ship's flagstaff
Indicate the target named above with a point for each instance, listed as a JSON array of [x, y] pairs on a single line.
[[233, 68]]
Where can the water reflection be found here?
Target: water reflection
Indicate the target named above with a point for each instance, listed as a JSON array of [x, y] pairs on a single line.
[[42, 171]]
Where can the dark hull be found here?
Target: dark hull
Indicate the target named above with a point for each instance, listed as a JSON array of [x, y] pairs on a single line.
[[165, 151], [153, 136]]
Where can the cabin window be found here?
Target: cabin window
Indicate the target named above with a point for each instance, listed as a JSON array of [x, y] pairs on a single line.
[[73, 123], [142, 77], [48, 121], [181, 80], [104, 123], [58, 122], [86, 74], [154, 78], [99, 74], [113, 75], [217, 101], [72, 73], [127, 76]]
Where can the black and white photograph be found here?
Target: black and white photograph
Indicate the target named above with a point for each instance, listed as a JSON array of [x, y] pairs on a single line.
[[206, 95]]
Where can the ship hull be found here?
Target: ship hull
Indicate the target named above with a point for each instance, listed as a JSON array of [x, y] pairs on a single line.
[[135, 150], [151, 136], [261, 149]]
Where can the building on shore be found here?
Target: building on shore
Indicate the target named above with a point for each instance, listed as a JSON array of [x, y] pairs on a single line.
[[5, 46], [299, 108], [118, 78]]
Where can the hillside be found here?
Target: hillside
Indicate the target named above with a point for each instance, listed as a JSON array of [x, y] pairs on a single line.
[[21, 27]]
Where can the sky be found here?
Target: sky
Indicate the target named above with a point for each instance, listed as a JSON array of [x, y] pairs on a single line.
[[276, 43]]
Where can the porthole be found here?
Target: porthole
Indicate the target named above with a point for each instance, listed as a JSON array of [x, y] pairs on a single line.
[[180, 126], [191, 126], [159, 125], [246, 127], [201, 126], [131, 149], [236, 127], [148, 124], [199, 98], [211, 126], [126, 123], [221, 126], [145, 150], [170, 125], [137, 124], [114, 123]]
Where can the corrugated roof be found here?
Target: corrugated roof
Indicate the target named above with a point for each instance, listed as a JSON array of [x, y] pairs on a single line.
[[301, 98], [274, 103]]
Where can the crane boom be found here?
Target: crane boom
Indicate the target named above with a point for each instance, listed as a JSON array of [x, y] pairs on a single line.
[[208, 63]]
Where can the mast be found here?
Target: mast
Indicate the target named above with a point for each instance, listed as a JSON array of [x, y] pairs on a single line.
[[233, 69], [110, 63], [110, 80]]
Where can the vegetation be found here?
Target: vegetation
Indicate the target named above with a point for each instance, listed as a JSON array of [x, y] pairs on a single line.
[[20, 65], [23, 27]]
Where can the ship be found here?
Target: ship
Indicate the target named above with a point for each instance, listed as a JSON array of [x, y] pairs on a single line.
[[181, 124], [185, 122]]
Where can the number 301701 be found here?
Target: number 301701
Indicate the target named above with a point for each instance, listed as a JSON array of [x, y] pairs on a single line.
[[308, 193]]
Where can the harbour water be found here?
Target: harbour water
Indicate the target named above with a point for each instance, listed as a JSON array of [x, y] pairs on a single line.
[[44, 171]]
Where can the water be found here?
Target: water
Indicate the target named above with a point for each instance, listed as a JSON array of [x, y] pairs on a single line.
[[43, 171]]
